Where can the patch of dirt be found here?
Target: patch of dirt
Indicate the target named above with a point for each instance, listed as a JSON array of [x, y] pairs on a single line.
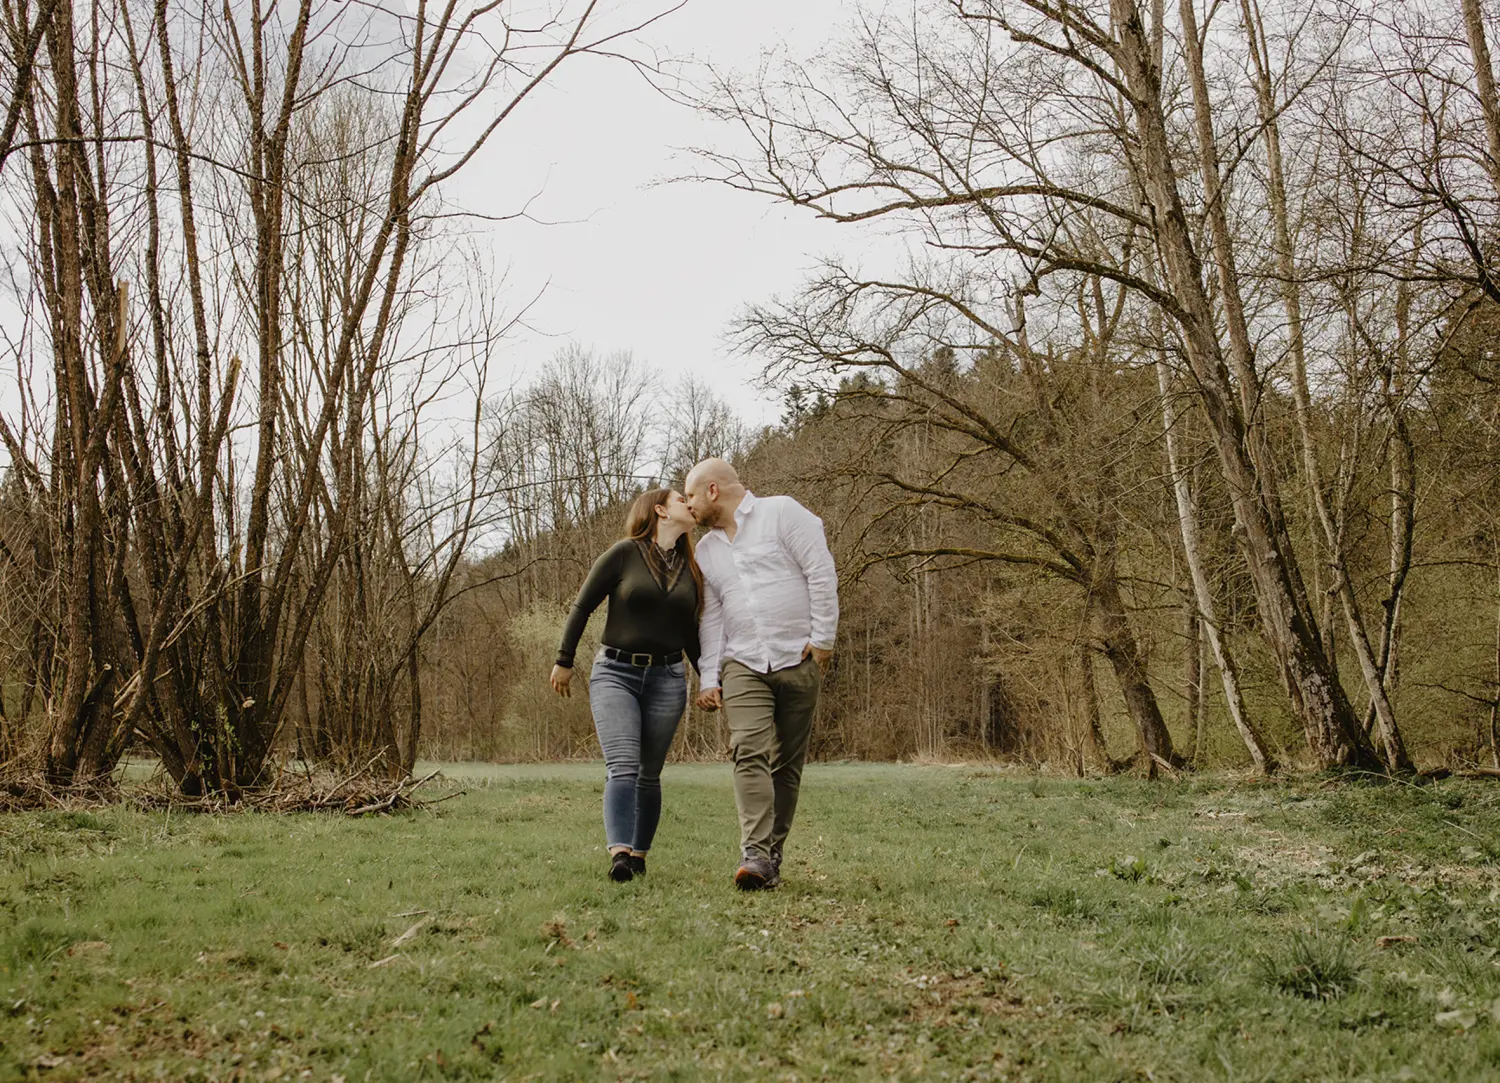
[[944, 999], [132, 1032], [1284, 859], [1280, 860]]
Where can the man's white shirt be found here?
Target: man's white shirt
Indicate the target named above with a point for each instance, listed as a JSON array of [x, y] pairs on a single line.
[[770, 592]]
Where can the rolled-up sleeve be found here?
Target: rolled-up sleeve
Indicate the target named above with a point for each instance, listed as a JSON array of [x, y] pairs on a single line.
[[802, 535]]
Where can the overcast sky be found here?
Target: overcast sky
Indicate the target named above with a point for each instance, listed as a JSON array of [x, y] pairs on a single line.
[[631, 264]]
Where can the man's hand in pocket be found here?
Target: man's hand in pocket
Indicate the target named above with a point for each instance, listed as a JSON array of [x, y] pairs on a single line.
[[820, 656]]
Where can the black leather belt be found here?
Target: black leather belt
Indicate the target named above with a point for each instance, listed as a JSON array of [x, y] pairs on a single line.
[[641, 659]]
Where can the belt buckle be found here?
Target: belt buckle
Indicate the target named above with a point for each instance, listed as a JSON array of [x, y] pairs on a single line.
[[646, 656]]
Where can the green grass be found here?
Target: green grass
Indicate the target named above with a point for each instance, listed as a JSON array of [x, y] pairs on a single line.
[[936, 923]]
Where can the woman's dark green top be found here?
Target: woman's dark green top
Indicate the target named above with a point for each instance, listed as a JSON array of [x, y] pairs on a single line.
[[647, 614]]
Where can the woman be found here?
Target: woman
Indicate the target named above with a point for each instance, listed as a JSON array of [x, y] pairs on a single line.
[[638, 685]]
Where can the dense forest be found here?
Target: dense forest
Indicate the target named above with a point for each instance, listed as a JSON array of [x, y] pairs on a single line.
[[951, 648], [1172, 445]]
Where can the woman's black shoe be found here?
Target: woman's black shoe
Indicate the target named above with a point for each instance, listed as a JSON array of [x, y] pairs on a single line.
[[620, 867], [638, 864]]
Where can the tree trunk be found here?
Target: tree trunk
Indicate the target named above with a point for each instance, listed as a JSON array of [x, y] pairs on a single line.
[[1129, 664], [1401, 450], [1392, 749], [1192, 690], [1093, 732], [1328, 719], [1495, 702], [1484, 80], [1187, 521], [82, 718]]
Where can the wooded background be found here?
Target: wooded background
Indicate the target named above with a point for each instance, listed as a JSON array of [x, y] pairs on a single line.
[[1173, 444]]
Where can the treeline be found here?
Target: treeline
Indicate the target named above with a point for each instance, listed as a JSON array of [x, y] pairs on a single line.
[[950, 648], [1177, 444]]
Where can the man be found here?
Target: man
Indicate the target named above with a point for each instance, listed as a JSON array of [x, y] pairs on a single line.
[[770, 612]]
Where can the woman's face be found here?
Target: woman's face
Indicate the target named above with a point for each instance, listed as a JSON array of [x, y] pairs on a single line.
[[676, 510]]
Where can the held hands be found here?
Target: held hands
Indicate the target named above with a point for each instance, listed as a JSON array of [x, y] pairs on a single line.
[[561, 680], [819, 655], [711, 699]]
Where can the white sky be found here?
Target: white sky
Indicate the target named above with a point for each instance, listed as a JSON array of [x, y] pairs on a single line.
[[655, 269]]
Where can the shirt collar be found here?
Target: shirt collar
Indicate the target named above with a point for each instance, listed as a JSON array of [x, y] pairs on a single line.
[[746, 506]]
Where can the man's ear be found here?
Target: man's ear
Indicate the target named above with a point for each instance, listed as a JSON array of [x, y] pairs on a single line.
[[713, 490]]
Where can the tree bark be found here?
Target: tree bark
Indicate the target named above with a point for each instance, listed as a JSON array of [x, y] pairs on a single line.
[[1328, 720], [1128, 661], [1187, 522], [1392, 748], [1484, 85], [1093, 731]]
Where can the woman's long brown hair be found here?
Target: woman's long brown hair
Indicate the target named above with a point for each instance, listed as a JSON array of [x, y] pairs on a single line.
[[640, 525]]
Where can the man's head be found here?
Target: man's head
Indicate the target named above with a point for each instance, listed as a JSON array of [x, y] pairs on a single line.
[[713, 490]]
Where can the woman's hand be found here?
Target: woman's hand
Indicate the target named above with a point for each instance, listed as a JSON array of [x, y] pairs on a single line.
[[562, 678]]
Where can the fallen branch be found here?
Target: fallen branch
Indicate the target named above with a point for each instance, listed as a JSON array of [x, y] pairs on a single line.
[[401, 794], [356, 794]]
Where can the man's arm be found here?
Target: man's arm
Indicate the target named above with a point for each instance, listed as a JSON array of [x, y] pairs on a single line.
[[802, 535], [710, 636]]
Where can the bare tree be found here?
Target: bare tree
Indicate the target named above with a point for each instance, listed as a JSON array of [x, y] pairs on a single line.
[[203, 525], [699, 424]]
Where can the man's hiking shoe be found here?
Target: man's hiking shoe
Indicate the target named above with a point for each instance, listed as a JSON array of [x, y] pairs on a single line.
[[755, 874], [775, 880], [619, 868], [638, 864]]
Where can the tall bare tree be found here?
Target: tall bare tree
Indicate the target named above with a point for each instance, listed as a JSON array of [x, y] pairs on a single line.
[[204, 524]]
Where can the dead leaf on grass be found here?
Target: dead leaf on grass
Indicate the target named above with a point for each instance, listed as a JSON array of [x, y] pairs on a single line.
[[89, 947], [556, 932], [1390, 941]]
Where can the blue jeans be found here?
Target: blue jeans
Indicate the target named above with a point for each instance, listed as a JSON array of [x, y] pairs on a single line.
[[636, 710]]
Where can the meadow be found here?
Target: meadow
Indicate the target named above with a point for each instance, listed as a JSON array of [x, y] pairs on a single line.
[[936, 923]]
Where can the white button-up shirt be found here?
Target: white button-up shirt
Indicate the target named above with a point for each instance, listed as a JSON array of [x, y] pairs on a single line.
[[770, 592]]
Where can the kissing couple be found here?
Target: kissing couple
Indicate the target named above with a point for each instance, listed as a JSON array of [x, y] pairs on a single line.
[[754, 607]]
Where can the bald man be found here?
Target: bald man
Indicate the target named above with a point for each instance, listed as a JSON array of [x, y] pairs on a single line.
[[770, 612]]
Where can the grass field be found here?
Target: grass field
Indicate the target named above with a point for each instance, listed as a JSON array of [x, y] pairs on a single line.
[[936, 923]]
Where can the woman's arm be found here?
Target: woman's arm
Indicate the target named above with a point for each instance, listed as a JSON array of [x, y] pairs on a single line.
[[601, 580]]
